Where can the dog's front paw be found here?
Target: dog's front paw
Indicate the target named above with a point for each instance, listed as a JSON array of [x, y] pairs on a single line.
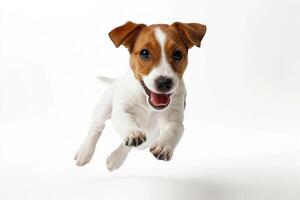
[[162, 152], [135, 138]]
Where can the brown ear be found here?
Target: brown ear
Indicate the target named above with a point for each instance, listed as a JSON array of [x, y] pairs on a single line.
[[190, 33], [125, 34]]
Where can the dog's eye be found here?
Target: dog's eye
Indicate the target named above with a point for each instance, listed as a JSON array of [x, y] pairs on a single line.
[[177, 55], [145, 54]]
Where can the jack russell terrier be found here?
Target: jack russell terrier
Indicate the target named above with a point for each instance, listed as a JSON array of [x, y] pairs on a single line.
[[147, 104]]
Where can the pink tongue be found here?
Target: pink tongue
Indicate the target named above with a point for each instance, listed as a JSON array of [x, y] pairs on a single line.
[[159, 99]]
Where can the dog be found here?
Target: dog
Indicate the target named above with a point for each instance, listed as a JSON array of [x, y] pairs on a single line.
[[146, 105]]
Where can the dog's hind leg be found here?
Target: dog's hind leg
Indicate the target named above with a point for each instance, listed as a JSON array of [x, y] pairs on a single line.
[[101, 114], [117, 157]]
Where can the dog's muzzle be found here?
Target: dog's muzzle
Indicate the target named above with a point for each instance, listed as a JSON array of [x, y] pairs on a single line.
[[158, 101]]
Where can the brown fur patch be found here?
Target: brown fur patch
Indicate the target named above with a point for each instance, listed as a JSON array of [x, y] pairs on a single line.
[[136, 37], [145, 40], [174, 43]]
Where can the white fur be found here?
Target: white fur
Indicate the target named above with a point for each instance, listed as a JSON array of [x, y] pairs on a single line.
[[117, 157], [126, 104]]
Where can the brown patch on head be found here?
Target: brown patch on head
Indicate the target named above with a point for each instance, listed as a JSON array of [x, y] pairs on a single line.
[[137, 37], [145, 41], [174, 43], [181, 37]]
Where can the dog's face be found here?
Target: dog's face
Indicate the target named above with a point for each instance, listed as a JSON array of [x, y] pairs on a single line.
[[158, 55]]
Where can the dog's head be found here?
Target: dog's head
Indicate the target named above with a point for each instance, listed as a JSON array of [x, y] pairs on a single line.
[[158, 55]]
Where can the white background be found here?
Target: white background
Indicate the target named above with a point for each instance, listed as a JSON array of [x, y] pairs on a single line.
[[242, 135]]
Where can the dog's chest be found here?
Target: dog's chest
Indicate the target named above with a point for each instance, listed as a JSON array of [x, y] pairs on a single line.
[[148, 122]]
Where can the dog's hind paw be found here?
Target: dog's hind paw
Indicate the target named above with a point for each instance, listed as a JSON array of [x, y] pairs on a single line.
[[135, 138]]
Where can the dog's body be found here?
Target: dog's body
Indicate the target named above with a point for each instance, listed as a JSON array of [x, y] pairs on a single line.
[[146, 105]]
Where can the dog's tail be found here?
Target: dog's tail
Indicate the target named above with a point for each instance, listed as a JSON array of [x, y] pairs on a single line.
[[106, 80]]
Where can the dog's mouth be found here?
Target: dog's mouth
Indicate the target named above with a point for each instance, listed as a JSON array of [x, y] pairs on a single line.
[[157, 101]]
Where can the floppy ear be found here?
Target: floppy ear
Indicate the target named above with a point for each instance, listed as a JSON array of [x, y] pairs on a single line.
[[125, 34], [190, 33]]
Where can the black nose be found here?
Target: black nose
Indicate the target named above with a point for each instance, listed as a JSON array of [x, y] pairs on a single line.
[[163, 84]]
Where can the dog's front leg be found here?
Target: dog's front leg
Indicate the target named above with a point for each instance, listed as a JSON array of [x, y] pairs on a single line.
[[127, 126], [169, 137]]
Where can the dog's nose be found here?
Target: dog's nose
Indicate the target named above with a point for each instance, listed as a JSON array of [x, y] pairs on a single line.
[[164, 84]]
